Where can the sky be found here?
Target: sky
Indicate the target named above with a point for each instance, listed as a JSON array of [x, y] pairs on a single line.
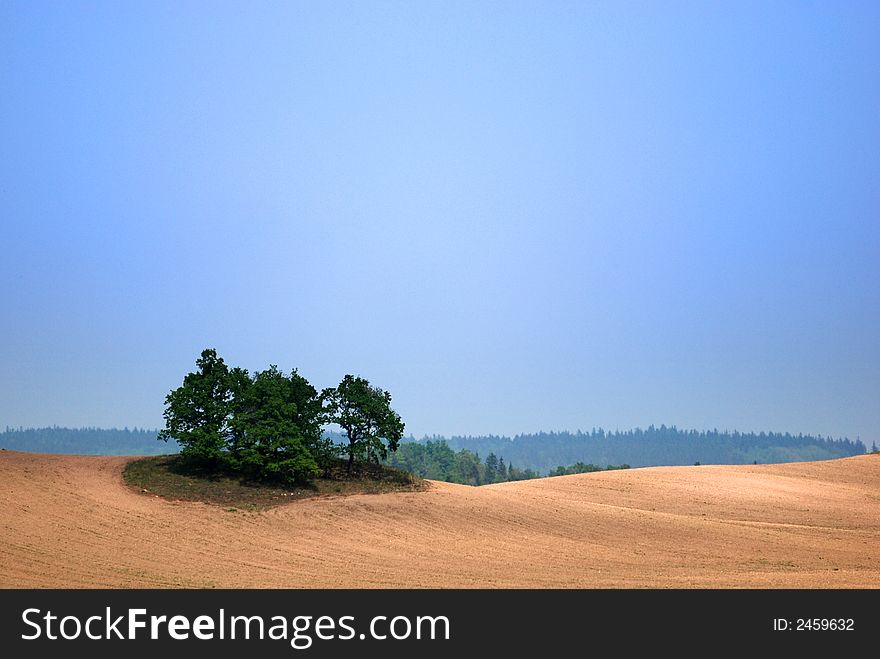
[[514, 216]]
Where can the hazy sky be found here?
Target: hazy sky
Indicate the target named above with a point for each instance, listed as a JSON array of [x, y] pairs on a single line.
[[513, 216]]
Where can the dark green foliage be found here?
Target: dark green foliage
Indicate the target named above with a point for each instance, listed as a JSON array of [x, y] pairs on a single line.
[[468, 470], [364, 413], [267, 440], [198, 414], [435, 460], [266, 426], [491, 468]]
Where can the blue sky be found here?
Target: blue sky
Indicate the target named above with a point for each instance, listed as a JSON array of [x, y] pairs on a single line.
[[513, 216]]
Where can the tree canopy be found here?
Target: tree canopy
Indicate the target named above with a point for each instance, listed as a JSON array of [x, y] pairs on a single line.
[[364, 413], [198, 414], [268, 438], [269, 425]]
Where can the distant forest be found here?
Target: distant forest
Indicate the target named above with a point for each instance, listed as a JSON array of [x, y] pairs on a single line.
[[436, 461], [86, 441], [545, 451], [539, 453]]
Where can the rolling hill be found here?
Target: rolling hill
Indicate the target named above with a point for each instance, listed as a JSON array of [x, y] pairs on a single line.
[[69, 521]]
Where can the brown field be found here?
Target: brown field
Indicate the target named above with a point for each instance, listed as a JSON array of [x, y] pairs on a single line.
[[69, 521]]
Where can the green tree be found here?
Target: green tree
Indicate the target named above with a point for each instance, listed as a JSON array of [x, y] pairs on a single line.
[[268, 425], [491, 468], [468, 469], [364, 413], [309, 419], [198, 414], [515, 474]]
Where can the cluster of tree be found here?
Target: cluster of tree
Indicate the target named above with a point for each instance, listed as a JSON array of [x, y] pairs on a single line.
[[437, 461], [269, 425], [654, 446], [82, 441]]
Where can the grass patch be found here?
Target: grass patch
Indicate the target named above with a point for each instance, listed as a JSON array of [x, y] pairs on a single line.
[[169, 477]]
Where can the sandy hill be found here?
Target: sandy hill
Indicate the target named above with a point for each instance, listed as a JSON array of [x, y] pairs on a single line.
[[69, 521]]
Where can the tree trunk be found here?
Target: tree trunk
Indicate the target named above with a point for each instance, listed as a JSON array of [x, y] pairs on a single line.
[[350, 452]]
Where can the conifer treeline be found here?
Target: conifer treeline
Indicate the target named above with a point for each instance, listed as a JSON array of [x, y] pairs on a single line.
[[654, 446], [85, 441], [436, 461]]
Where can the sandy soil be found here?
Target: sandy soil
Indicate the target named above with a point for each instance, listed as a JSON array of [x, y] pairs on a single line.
[[69, 521]]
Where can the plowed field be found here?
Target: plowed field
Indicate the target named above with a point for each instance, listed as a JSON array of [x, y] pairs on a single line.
[[69, 521]]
